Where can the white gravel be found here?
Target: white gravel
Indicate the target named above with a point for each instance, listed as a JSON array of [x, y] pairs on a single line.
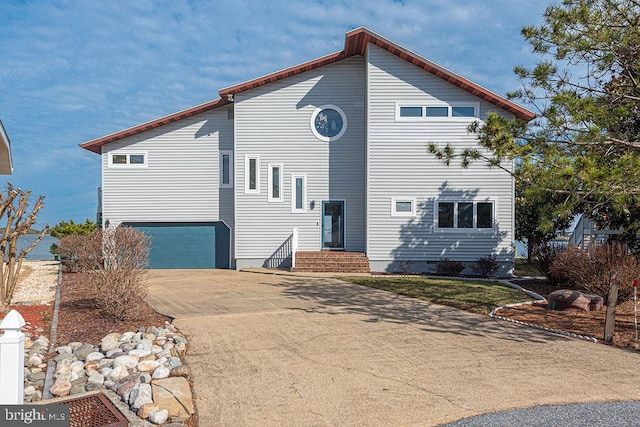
[[37, 283]]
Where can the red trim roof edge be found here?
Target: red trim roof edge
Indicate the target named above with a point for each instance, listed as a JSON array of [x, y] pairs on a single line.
[[95, 145]]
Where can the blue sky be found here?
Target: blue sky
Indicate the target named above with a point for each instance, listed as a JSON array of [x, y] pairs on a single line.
[[75, 70]]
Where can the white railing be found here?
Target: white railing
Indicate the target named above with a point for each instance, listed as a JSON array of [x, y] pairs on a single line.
[[12, 360], [586, 233], [294, 246]]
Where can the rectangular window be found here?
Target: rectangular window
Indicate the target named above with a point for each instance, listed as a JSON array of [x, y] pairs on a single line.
[[403, 207], [445, 214], [252, 174], [410, 111], [465, 215], [127, 159], [226, 169], [485, 215], [298, 193], [437, 111], [275, 183], [463, 111]]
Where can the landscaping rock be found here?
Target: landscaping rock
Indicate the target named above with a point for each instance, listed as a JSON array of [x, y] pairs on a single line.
[[146, 410], [61, 388], [566, 299], [174, 395], [110, 342], [159, 417], [81, 352]]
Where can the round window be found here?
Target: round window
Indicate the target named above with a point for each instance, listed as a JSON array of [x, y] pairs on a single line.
[[328, 123]]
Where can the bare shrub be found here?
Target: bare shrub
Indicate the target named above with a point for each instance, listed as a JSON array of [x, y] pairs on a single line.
[[81, 252], [543, 256], [589, 269], [121, 285], [486, 266], [447, 267]]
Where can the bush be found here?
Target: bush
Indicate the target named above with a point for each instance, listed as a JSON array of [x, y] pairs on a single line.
[[589, 269], [543, 256], [115, 261], [447, 267], [486, 265]]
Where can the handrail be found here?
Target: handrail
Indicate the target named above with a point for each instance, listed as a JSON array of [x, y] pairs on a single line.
[[294, 246]]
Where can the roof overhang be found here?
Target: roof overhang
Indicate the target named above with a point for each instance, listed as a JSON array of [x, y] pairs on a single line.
[[356, 42], [6, 163]]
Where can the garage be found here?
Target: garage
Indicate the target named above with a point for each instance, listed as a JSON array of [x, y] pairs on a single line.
[[186, 245]]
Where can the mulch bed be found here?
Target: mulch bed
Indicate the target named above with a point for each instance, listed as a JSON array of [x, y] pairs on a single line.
[[37, 318], [79, 318], [582, 323]]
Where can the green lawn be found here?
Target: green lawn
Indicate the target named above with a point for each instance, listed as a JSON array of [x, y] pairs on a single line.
[[470, 295]]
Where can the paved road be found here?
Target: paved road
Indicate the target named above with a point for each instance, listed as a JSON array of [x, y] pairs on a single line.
[[274, 350]]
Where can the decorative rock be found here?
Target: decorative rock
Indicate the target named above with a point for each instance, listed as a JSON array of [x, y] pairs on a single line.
[[126, 387], [142, 397], [95, 379], [127, 336], [82, 351], [92, 367], [180, 371], [105, 371], [147, 365], [96, 355], [77, 389], [156, 349], [63, 349], [159, 417], [29, 390], [65, 356], [36, 376], [118, 373], [110, 342], [161, 372], [77, 366], [35, 359], [146, 409], [61, 388], [145, 378], [75, 345], [105, 363], [174, 395], [174, 361], [127, 361], [140, 353], [112, 354], [566, 299]]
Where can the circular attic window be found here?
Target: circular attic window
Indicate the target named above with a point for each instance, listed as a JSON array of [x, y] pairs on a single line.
[[328, 123]]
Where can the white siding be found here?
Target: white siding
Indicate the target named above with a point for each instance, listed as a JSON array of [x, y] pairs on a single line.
[[273, 121], [180, 182], [399, 166]]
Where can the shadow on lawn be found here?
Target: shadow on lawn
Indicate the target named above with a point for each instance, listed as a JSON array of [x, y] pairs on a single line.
[[335, 297]]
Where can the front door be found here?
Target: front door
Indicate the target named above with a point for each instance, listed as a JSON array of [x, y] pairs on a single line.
[[332, 224]]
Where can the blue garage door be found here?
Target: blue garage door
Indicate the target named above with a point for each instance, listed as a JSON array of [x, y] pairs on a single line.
[[187, 245]]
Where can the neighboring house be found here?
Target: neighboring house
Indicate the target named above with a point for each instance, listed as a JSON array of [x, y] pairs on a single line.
[[6, 164], [335, 148]]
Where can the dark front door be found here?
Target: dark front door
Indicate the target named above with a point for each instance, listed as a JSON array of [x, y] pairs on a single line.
[[332, 224]]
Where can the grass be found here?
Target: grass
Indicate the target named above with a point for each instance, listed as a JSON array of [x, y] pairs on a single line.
[[523, 268], [471, 295]]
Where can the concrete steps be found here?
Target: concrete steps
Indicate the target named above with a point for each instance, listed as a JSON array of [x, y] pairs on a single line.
[[331, 261]]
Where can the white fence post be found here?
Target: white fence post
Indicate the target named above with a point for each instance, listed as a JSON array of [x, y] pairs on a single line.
[[12, 360], [294, 246]]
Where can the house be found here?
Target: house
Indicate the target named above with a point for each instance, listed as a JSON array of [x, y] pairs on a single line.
[[326, 159], [6, 164]]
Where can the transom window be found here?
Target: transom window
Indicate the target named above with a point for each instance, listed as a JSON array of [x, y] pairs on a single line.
[[417, 112], [127, 159], [464, 214]]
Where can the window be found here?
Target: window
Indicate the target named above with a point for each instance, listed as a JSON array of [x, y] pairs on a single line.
[[410, 111], [226, 169], [252, 174], [275, 183], [403, 207], [464, 215], [128, 159], [328, 123], [298, 193], [439, 111]]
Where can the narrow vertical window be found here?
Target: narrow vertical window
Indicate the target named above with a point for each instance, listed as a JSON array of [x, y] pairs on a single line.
[[485, 214], [465, 214], [275, 183], [298, 193], [226, 171], [445, 214], [252, 174]]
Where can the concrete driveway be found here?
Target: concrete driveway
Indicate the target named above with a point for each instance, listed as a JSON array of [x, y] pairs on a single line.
[[273, 350]]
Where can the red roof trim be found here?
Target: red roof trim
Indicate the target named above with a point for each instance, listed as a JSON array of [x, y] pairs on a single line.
[[355, 43], [95, 145]]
